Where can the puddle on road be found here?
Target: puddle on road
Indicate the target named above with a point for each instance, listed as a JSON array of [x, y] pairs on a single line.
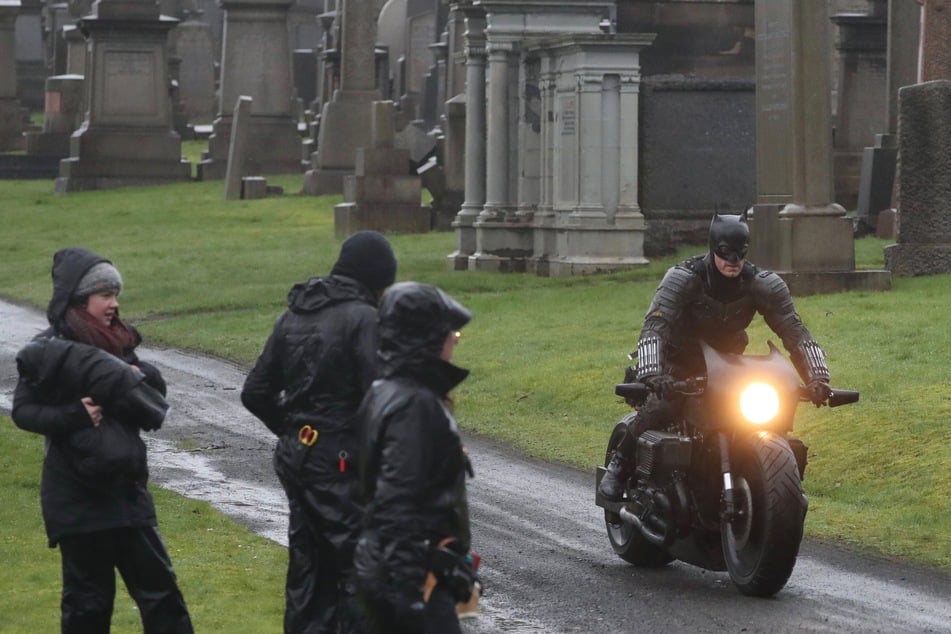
[[261, 508]]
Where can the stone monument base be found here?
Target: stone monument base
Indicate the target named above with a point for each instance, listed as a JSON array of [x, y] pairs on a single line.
[[351, 217], [344, 127], [101, 159], [47, 144], [584, 250], [907, 259], [11, 125], [822, 282], [503, 246]]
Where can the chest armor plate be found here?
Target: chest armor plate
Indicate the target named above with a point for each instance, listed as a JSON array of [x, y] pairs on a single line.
[[711, 319]]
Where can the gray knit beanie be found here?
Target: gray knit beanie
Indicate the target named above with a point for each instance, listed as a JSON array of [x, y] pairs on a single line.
[[101, 277]]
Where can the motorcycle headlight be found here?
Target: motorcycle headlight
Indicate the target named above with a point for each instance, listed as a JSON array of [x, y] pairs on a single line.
[[759, 403]]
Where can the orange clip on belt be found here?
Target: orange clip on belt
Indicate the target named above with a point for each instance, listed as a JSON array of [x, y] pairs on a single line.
[[307, 435]]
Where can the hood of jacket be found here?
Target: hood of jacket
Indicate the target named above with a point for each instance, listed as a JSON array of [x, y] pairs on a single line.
[[318, 293], [69, 267], [415, 320]]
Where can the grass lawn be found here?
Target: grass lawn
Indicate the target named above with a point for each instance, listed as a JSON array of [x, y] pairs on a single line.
[[212, 276]]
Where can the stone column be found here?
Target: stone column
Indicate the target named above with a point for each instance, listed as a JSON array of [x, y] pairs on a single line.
[[503, 239], [798, 228], [345, 121], [474, 141], [934, 59], [256, 62], [127, 136], [11, 115]]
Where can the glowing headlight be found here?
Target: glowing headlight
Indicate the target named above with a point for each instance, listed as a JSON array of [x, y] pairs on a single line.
[[759, 403]]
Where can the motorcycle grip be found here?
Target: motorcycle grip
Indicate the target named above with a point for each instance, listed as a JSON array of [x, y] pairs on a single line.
[[634, 391], [843, 397]]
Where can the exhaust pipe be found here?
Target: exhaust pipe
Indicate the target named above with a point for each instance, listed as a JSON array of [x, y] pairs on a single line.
[[662, 540]]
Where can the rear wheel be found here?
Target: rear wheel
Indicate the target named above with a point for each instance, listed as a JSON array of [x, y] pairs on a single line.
[[626, 540], [761, 542]]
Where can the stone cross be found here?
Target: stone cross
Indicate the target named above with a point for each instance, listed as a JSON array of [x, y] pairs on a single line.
[[934, 58]]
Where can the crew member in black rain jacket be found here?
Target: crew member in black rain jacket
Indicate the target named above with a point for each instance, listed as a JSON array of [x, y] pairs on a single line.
[[82, 386], [411, 559], [306, 387]]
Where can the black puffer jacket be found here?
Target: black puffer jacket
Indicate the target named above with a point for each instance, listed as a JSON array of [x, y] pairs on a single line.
[[80, 492], [414, 465], [315, 368]]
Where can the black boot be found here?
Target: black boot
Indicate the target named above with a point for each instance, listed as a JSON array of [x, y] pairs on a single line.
[[612, 483]]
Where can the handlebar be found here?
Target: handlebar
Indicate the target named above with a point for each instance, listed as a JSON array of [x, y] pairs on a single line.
[[636, 392]]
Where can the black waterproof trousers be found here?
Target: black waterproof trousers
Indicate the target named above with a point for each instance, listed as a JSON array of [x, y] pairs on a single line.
[[322, 533], [89, 581]]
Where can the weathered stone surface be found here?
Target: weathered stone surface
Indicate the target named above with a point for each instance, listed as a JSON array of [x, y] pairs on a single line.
[[924, 181]]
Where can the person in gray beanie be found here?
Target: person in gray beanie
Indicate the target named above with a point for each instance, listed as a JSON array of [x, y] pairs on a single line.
[[83, 387], [306, 386]]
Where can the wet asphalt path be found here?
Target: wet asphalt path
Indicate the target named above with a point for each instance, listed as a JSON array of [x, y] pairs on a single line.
[[546, 561]]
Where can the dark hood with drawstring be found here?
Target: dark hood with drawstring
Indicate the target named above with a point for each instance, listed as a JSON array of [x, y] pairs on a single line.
[[413, 465]]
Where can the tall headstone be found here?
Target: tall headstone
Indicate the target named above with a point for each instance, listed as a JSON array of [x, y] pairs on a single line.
[[924, 180], [798, 229], [127, 137], [256, 61], [11, 114], [934, 60], [344, 122], [30, 54], [196, 74]]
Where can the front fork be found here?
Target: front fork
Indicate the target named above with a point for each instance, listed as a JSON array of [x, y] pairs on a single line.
[[727, 509]]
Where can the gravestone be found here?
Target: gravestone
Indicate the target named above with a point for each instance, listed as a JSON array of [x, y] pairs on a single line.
[[256, 61], [196, 73], [877, 178], [924, 180], [62, 115], [238, 150], [934, 59], [798, 229], [381, 195], [30, 54], [11, 113], [344, 122], [127, 136], [75, 50]]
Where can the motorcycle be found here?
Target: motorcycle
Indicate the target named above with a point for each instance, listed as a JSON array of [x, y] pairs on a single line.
[[721, 486]]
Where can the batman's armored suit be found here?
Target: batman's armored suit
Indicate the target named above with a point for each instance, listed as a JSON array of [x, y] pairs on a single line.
[[697, 302]]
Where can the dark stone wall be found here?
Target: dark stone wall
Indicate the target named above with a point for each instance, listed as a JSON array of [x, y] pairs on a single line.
[[697, 153]]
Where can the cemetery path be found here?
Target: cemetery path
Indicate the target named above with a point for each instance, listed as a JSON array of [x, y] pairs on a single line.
[[547, 566]]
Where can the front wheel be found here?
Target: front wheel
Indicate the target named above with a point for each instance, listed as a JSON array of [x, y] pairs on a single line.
[[761, 541], [626, 539]]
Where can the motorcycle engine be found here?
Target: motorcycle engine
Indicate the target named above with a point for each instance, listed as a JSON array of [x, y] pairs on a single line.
[[660, 454]]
